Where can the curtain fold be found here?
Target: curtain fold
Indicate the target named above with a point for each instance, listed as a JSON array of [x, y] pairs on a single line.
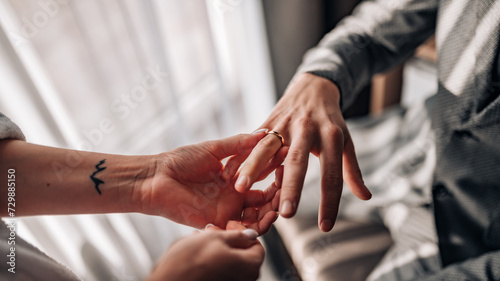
[[128, 77]]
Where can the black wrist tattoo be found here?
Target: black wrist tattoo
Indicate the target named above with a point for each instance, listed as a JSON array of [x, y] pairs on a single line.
[[97, 181]]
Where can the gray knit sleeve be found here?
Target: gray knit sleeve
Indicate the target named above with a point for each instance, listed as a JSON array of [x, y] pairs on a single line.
[[9, 130], [378, 35]]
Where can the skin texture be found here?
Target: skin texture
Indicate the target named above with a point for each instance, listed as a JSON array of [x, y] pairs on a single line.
[[310, 119], [189, 185], [184, 185], [198, 193], [211, 255]]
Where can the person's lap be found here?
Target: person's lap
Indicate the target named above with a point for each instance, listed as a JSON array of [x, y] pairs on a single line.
[[397, 157]]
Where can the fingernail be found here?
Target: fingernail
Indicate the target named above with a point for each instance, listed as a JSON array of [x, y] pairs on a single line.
[[260, 131], [287, 208], [326, 225], [369, 196], [243, 181], [208, 226], [250, 233]]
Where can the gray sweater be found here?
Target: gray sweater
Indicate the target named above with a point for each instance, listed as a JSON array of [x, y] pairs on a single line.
[[465, 112]]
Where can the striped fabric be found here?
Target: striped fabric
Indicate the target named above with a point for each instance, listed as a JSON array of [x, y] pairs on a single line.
[[456, 234]]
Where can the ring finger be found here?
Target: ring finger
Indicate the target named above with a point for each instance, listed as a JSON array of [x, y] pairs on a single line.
[[257, 160]]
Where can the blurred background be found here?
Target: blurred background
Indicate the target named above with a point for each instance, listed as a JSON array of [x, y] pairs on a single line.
[[143, 77]]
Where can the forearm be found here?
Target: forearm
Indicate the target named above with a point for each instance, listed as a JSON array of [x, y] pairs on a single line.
[[59, 181], [377, 36]]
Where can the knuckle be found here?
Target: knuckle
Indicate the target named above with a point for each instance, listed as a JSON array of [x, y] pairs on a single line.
[[335, 131], [333, 178], [297, 157], [268, 141], [243, 139], [211, 147], [306, 122], [243, 144]]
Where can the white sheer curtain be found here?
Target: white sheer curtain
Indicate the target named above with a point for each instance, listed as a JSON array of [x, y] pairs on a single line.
[[158, 73], [130, 77]]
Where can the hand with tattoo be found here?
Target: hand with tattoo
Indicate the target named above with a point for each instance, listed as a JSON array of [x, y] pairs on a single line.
[[191, 186]]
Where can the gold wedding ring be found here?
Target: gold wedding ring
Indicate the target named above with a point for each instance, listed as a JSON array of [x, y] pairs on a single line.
[[278, 135]]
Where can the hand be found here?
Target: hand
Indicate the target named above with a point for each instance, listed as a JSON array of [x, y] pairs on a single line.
[[309, 118], [211, 255], [188, 187]]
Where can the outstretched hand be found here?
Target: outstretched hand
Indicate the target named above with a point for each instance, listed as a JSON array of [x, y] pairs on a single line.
[[191, 186], [309, 118]]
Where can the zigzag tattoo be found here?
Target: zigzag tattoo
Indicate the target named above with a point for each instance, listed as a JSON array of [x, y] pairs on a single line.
[[97, 181]]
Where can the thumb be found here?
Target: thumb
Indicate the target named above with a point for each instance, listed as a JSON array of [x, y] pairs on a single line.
[[246, 248], [240, 239], [253, 255], [233, 145]]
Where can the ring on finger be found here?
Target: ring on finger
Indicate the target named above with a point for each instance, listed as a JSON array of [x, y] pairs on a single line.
[[278, 135]]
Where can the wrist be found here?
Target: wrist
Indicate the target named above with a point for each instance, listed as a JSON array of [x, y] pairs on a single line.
[[123, 180], [62, 181], [135, 178], [324, 84]]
